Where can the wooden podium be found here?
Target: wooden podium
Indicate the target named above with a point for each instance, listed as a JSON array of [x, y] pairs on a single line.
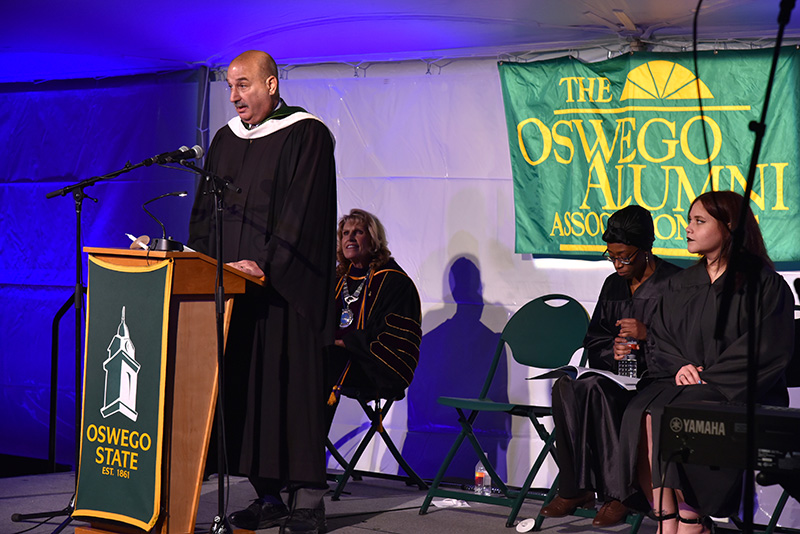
[[191, 382]]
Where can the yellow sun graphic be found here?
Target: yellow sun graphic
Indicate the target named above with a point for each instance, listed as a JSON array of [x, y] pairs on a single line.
[[664, 80]]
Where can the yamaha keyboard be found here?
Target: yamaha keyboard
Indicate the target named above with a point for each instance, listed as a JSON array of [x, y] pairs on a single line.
[[715, 434]]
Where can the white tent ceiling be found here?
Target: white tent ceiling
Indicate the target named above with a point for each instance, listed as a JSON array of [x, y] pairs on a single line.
[[43, 40]]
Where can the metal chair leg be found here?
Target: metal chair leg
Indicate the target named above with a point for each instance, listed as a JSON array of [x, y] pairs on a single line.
[[335, 453], [351, 465], [434, 487]]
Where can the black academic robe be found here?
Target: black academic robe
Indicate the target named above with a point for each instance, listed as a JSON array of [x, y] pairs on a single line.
[[616, 302], [283, 219], [588, 411], [382, 342], [683, 333]]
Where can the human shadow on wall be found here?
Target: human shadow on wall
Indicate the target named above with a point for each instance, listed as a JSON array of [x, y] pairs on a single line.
[[454, 360]]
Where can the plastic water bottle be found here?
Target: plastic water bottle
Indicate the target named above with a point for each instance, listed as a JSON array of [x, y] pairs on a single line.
[[627, 365], [483, 481]]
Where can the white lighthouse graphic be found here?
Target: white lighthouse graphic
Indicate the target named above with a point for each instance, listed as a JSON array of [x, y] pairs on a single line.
[[122, 371]]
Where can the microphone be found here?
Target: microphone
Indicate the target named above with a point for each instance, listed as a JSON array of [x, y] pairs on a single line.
[[165, 243], [183, 153]]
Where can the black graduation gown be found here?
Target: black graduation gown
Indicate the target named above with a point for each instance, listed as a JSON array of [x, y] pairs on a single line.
[[616, 302], [682, 333], [588, 412], [383, 339], [283, 219]]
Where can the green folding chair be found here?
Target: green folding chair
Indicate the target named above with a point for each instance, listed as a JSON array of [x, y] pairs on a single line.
[[544, 333]]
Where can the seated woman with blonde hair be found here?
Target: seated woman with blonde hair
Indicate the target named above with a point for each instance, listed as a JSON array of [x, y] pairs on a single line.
[[377, 342]]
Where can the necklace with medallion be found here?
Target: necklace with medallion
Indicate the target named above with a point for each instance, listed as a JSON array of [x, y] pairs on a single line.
[[346, 319]]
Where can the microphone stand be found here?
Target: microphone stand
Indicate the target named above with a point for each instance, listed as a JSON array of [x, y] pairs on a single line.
[[218, 185], [735, 263], [164, 243], [78, 195]]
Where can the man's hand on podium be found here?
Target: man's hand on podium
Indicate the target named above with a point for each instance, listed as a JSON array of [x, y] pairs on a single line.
[[248, 267]]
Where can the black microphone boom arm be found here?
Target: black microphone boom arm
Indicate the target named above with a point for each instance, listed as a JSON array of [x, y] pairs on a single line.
[[165, 243]]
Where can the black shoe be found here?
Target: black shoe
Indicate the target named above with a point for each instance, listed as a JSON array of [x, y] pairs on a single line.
[[305, 521], [260, 514]]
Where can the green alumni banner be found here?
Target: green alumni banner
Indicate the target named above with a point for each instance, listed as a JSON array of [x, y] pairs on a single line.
[[589, 139], [119, 474]]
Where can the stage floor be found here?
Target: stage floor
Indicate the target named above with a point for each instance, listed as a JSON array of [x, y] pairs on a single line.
[[371, 505]]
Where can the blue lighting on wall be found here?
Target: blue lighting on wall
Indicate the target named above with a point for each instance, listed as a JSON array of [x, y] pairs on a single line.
[[56, 134]]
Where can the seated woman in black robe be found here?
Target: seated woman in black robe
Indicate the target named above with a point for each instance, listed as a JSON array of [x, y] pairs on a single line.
[[588, 411], [377, 342], [686, 363]]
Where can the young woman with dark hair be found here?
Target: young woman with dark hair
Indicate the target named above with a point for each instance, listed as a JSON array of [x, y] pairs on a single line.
[[686, 363]]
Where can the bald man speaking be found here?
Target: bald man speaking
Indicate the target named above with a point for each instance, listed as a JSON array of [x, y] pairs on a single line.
[[280, 227]]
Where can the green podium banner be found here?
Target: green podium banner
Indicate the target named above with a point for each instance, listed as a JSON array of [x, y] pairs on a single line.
[[119, 474], [587, 139]]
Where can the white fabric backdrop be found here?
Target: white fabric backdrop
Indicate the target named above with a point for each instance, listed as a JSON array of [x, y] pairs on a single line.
[[428, 154]]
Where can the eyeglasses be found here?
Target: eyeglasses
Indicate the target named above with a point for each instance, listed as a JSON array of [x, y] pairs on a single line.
[[623, 261]]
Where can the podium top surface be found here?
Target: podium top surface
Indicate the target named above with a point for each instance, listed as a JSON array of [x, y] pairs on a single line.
[[195, 272]]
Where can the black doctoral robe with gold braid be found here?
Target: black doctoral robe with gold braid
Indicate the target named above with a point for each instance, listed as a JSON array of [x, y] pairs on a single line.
[[683, 333], [284, 219], [383, 339]]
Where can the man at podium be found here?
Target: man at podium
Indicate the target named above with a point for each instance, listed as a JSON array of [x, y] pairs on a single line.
[[280, 227]]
